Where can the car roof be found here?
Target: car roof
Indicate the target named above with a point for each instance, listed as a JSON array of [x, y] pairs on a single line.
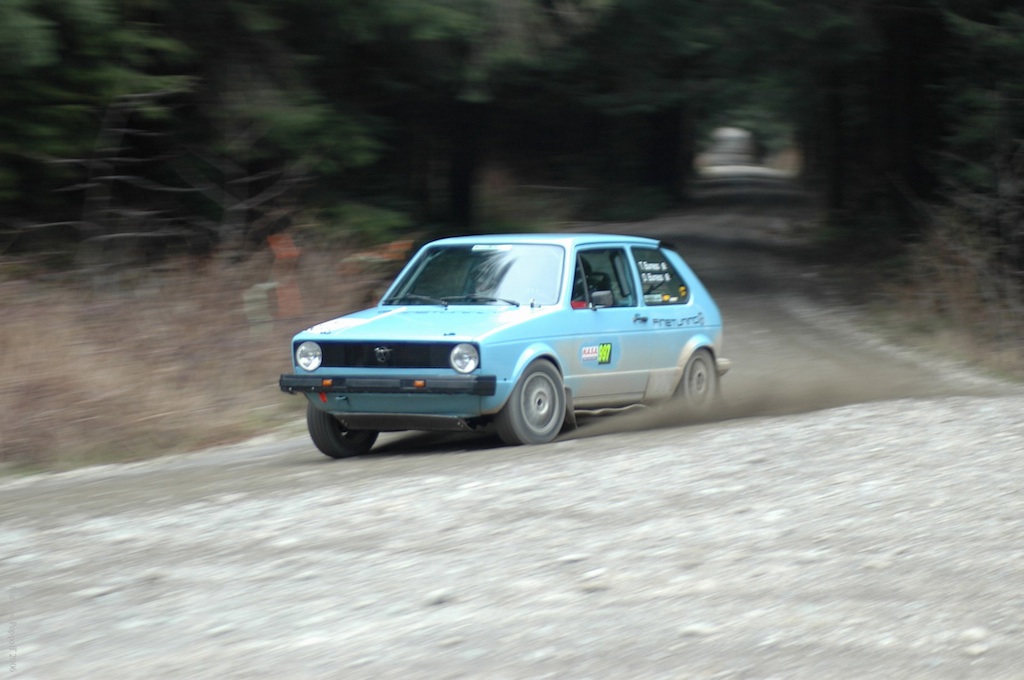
[[566, 240]]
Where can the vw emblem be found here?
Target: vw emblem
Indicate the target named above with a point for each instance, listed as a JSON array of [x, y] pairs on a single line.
[[383, 354]]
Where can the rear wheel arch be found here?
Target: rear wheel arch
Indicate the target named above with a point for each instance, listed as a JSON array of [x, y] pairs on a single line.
[[699, 383]]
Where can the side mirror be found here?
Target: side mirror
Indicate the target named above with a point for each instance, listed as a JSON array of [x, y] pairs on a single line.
[[602, 298]]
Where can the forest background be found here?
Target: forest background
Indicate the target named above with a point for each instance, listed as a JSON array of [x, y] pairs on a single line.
[[149, 148]]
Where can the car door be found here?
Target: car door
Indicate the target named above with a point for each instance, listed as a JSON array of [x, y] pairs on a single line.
[[609, 365], [674, 315]]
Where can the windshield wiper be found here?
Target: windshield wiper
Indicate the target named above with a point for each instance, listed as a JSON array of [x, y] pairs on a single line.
[[413, 297], [472, 297]]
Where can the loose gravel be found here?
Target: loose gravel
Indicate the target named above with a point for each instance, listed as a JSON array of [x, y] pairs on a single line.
[[877, 540]]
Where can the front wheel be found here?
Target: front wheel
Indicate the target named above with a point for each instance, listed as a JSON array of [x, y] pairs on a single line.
[[536, 409], [334, 439], [699, 386]]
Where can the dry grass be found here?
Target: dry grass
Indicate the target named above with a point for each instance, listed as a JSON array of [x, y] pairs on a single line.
[[171, 361], [957, 297]]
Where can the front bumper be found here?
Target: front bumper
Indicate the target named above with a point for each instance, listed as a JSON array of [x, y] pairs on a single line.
[[477, 385]]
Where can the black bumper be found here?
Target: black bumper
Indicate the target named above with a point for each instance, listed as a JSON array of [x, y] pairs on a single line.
[[477, 385]]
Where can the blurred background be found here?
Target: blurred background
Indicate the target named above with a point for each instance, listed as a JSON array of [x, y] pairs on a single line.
[[185, 184]]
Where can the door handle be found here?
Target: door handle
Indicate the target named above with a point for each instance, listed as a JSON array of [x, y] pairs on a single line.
[[639, 319]]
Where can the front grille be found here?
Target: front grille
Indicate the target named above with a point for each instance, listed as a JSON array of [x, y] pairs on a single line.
[[394, 354]]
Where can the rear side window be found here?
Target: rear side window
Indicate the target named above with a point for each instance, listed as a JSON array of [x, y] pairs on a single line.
[[661, 282]]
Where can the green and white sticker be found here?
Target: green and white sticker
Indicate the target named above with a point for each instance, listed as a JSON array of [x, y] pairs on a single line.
[[602, 353]]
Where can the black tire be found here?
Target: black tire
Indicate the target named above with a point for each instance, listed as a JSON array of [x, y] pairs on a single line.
[[698, 388], [333, 439], [535, 411]]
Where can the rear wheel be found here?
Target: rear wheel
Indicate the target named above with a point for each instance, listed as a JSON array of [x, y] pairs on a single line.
[[334, 439], [699, 386], [535, 411]]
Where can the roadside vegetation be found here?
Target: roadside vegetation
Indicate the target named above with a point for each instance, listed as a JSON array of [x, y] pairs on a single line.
[[169, 362], [958, 293]]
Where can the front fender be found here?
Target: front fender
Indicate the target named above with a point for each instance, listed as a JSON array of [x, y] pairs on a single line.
[[518, 359]]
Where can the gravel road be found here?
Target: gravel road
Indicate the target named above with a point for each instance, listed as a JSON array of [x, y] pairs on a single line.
[[854, 511]]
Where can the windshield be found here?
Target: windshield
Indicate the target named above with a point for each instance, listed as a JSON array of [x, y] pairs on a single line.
[[483, 274]]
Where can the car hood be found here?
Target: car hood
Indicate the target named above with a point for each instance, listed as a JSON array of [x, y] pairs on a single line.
[[423, 323]]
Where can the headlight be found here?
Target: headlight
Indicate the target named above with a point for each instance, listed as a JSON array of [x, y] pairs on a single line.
[[308, 356], [465, 358]]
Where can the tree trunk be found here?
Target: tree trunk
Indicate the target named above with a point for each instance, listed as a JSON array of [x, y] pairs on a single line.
[[665, 153], [905, 112], [468, 122], [834, 150]]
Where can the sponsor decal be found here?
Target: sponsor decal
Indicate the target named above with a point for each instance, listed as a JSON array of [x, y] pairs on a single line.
[[602, 353], [654, 272], [683, 322]]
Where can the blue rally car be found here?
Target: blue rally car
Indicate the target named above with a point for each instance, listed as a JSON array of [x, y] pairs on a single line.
[[516, 332]]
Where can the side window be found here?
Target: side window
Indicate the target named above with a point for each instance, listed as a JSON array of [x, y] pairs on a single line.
[[662, 284], [603, 269]]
